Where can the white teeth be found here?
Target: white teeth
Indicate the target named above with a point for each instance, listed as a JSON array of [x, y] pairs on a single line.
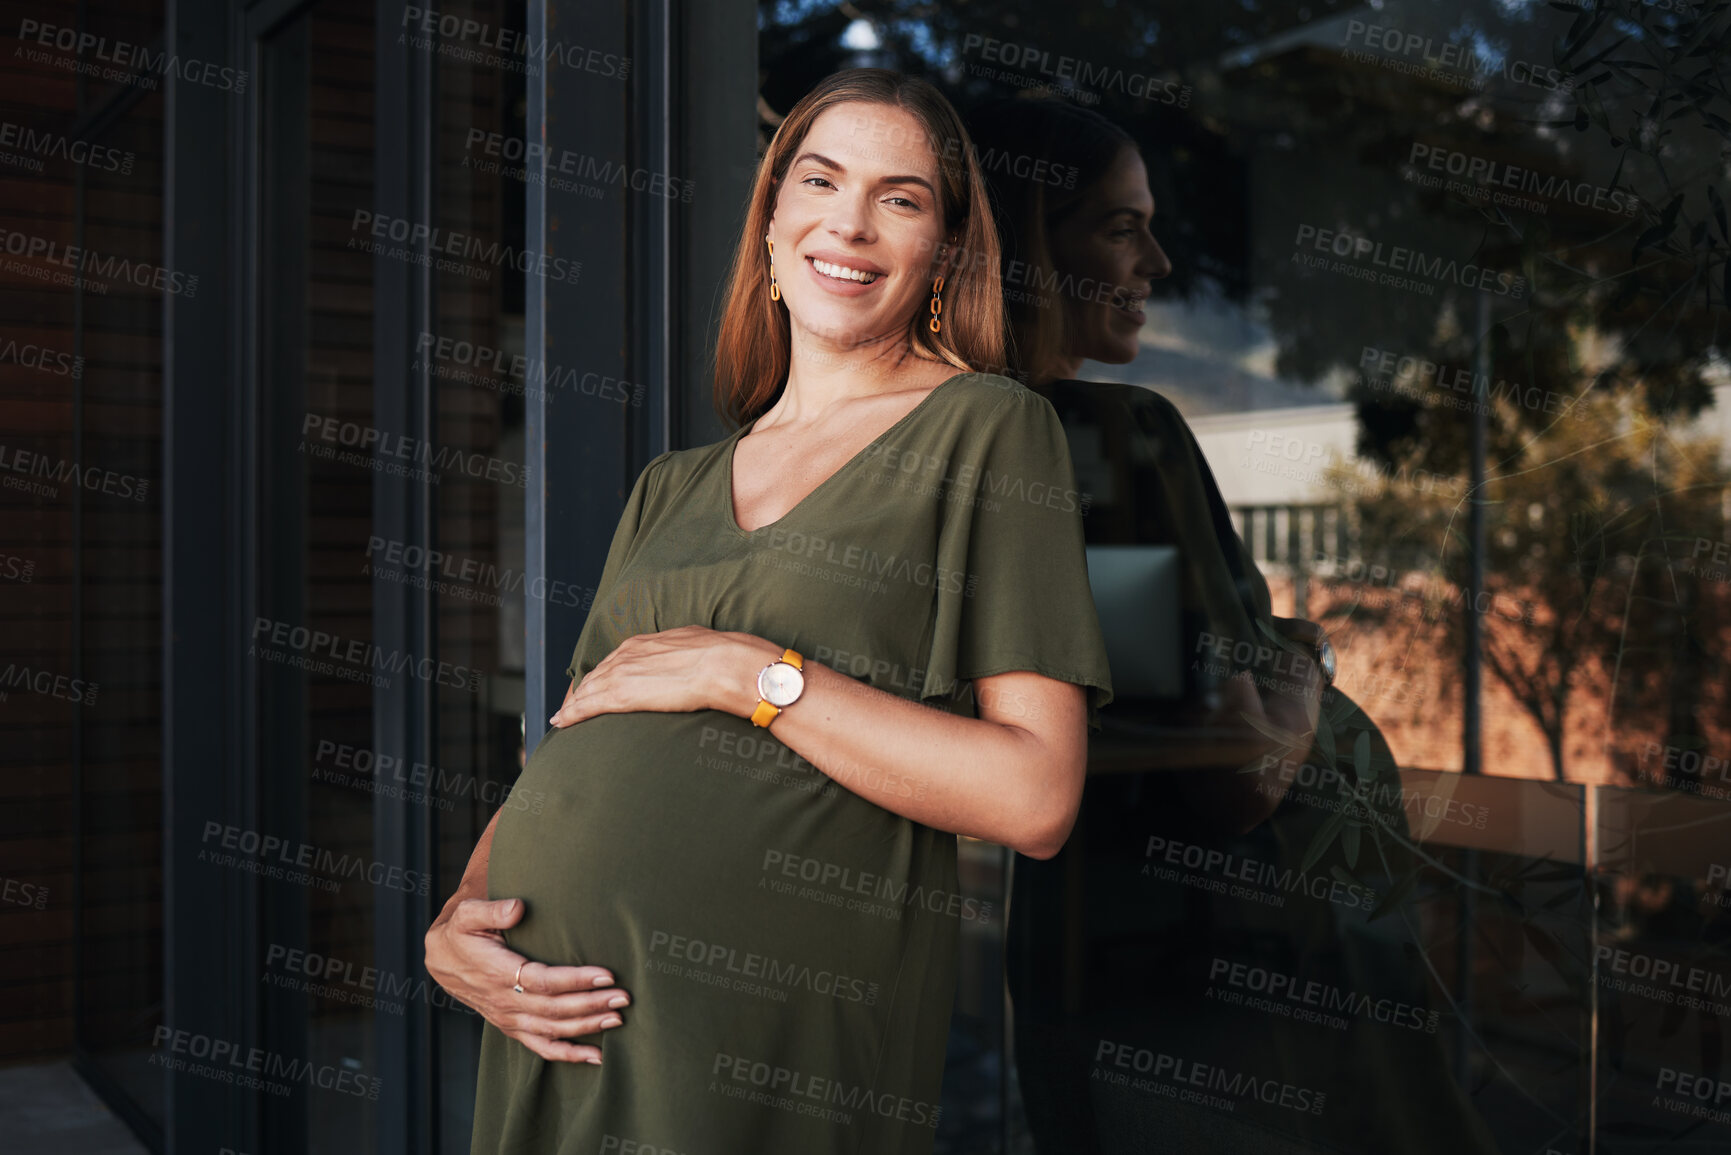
[[842, 272]]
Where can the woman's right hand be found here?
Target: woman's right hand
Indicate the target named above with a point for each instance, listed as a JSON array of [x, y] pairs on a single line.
[[467, 955]]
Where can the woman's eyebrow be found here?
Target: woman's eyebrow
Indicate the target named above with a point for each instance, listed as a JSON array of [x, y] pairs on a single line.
[[819, 158], [1134, 213]]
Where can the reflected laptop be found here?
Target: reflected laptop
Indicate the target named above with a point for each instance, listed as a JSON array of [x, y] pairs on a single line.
[[1138, 594]]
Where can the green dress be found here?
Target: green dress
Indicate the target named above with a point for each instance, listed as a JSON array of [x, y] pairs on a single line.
[[790, 948]]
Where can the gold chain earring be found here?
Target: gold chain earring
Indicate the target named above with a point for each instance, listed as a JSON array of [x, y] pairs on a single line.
[[937, 303], [774, 289]]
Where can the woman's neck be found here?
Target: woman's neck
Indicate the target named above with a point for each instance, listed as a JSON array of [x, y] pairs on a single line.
[[819, 378]]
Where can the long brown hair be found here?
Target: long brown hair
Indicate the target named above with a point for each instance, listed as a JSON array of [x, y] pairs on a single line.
[[754, 346]]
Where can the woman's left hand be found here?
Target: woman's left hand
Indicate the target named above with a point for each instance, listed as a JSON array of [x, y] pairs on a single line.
[[673, 671]]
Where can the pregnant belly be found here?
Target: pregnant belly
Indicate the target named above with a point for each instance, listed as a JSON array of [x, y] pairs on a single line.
[[656, 830], [764, 920]]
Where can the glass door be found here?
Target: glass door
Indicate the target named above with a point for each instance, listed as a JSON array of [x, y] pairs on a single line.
[[311, 648], [388, 643]]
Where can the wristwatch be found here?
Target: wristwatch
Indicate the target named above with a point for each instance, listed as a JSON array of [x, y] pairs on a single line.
[[779, 686]]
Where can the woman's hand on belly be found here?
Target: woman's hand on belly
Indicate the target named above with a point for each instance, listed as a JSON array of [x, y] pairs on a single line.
[[672, 671], [467, 955]]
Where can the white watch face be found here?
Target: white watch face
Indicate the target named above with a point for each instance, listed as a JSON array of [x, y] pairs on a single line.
[[780, 684]]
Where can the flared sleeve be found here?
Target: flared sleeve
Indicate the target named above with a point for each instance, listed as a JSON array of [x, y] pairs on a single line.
[[1019, 599]]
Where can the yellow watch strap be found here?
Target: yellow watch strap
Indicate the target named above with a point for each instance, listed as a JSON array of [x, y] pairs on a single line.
[[765, 712]]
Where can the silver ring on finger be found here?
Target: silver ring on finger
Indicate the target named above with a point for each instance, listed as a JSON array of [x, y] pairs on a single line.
[[517, 983]]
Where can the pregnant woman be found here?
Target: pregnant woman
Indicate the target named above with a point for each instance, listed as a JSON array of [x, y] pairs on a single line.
[[820, 649]]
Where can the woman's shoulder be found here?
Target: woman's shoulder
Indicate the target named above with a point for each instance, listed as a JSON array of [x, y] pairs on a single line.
[[972, 413], [984, 383], [682, 462], [673, 470], [983, 394]]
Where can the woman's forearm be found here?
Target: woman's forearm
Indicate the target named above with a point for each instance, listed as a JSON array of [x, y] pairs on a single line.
[[1012, 776]]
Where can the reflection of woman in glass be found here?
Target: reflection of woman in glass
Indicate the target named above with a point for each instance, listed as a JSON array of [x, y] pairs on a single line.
[[1184, 889], [781, 904]]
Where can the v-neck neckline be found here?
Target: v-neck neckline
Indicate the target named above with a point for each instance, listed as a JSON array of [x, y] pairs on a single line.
[[740, 433]]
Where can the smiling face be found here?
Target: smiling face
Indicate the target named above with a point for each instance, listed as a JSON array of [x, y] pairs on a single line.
[[1105, 239], [858, 227]]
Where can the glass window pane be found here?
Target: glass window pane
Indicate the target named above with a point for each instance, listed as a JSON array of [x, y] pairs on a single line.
[[1435, 323]]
